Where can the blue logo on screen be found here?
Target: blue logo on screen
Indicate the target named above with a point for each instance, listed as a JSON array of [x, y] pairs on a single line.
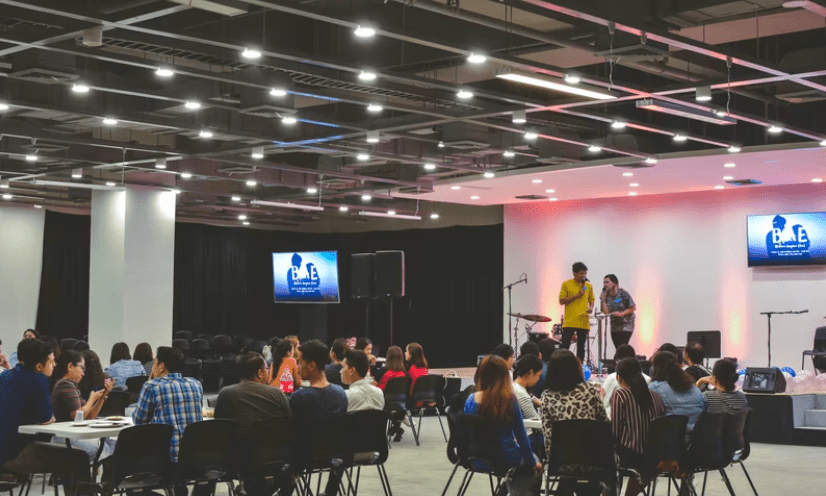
[[304, 282], [783, 242]]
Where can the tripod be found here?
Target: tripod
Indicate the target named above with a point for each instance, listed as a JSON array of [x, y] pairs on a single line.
[[509, 287], [769, 317]]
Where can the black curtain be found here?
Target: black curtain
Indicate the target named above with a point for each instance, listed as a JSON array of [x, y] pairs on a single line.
[[452, 307], [63, 307]]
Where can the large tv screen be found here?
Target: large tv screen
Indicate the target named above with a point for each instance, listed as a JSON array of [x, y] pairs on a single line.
[[787, 239], [305, 277]]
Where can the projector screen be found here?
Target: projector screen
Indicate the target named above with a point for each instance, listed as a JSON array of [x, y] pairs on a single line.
[[787, 239], [305, 277]]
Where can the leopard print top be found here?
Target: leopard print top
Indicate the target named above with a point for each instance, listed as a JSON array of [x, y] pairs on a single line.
[[582, 402]]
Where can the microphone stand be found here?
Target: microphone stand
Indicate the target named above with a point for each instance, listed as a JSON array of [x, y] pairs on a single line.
[[769, 316], [509, 287]]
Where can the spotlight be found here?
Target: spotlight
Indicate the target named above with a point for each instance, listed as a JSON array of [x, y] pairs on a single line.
[[3, 106], [186, 175], [312, 190], [634, 185], [594, 148], [519, 117], [429, 166], [729, 165], [550, 191], [651, 161], [817, 180], [343, 208], [455, 188], [391, 212], [279, 92], [679, 138], [246, 222], [703, 94], [109, 121], [719, 186], [364, 32], [160, 163], [775, 129], [31, 157], [728, 178], [251, 53], [823, 143], [530, 136], [80, 88], [734, 149], [258, 152], [111, 184], [236, 198], [374, 108], [474, 197], [553, 199], [205, 133], [367, 76], [627, 174], [192, 105], [476, 58], [38, 206], [571, 79], [242, 217], [289, 120], [489, 175], [363, 156], [442, 144], [372, 136], [366, 197], [508, 154], [434, 216], [252, 182], [164, 72], [7, 196], [632, 193], [177, 191], [618, 125], [77, 173], [537, 181], [464, 94]]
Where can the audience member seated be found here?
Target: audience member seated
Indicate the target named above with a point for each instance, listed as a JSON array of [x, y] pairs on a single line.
[[143, 354], [169, 398], [122, 366], [673, 350], [531, 348], [394, 365], [362, 394], [611, 383], [694, 356], [724, 398], [505, 352], [24, 400], [526, 374], [52, 341], [4, 362], [67, 400], [319, 403], [351, 342], [679, 394], [414, 354], [495, 400], [634, 406], [94, 379], [366, 346], [284, 370], [567, 396], [333, 369], [27, 334]]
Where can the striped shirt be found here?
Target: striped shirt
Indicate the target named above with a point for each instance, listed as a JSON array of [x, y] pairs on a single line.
[[525, 402], [726, 402], [630, 423]]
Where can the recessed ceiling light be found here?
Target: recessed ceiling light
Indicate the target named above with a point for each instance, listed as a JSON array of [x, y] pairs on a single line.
[[537, 181], [372, 137], [343, 208], [289, 120], [251, 182], [817, 180], [312, 190], [430, 166], [823, 143], [719, 186], [464, 94], [111, 184], [703, 94], [476, 58], [729, 165], [531, 136], [519, 117], [279, 92], [366, 197], [594, 148], [38, 206], [634, 185], [236, 198], [31, 157], [205, 134], [246, 222], [571, 79], [109, 121], [192, 105], [728, 178], [627, 174], [160, 163], [508, 154], [363, 156], [455, 188], [679, 138], [177, 191], [720, 113], [434, 216], [775, 129], [734, 149], [164, 72], [618, 125], [553, 199], [474, 197], [258, 152], [3, 106], [391, 212], [364, 32], [374, 108], [632, 193], [367, 76], [651, 160], [186, 175], [550, 191], [442, 144], [80, 88], [7, 196], [251, 53], [489, 175], [242, 217]]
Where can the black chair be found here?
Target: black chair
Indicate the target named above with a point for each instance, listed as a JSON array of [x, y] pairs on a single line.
[[818, 351], [743, 455], [8, 487], [205, 454], [665, 442], [222, 345], [366, 439], [734, 445], [240, 342], [211, 374], [230, 372], [140, 461], [134, 386], [453, 385], [581, 450], [82, 346], [191, 368], [256, 345], [478, 451], [68, 343], [209, 338], [324, 449], [115, 404], [396, 394], [182, 335], [427, 395], [181, 344], [200, 349], [708, 451], [264, 452]]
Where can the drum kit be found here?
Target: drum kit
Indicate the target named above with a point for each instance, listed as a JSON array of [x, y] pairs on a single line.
[[556, 333]]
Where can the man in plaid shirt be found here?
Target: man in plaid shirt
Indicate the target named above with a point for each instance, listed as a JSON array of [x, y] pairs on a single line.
[[169, 398]]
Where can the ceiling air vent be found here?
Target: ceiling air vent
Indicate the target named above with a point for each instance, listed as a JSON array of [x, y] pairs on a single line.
[[531, 197], [45, 76], [238, 169], [744, 182]]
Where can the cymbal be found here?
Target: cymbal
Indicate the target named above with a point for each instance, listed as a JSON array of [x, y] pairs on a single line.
[[531, 317]]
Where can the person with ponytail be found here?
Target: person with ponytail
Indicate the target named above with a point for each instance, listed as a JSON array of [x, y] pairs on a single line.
[[633, 407], [679, 394], [724, 398]]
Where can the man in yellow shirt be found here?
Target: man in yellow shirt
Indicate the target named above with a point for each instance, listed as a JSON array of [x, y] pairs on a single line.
[[577, 295]]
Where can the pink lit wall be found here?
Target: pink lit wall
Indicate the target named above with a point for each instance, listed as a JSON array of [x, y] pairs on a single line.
[[683, 259]]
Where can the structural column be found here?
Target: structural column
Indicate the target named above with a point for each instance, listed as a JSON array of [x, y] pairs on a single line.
[[131, 268]]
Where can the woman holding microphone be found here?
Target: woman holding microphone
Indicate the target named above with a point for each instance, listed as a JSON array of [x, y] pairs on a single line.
[[618, 304]]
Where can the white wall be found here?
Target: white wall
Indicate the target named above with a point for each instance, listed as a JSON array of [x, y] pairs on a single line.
[[21, 258], [683, 259]]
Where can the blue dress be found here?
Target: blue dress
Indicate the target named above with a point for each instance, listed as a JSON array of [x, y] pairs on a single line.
[[516, 448]]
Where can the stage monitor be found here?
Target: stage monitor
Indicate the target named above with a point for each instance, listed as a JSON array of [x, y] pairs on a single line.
[[764, 380], [710, 340], [787, 239], [305, 277]]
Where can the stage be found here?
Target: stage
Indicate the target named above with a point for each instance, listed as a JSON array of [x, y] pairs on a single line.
[[788, 418]]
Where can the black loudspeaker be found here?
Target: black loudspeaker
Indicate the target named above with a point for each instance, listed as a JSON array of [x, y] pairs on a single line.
[[764, 380], [362, 276], [389, 274]]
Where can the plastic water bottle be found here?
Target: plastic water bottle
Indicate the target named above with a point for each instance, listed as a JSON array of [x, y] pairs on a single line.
[[79, 415]]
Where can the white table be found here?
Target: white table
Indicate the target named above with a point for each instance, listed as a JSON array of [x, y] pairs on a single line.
[[533, 424], [67, 430]]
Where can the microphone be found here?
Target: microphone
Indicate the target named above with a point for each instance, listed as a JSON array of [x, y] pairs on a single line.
[[584, 280], [526, 278]]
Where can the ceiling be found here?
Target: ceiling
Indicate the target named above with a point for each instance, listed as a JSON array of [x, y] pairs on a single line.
[[763, 64]]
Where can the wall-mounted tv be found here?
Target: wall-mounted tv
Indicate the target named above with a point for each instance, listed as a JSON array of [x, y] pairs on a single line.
[[787, 239], [305, 277]]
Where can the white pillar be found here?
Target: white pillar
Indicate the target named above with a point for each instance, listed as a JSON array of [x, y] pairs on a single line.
[[131, 268]]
